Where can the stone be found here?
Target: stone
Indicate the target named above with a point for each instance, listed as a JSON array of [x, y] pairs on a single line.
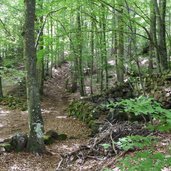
[[53, 134], [19, 142]]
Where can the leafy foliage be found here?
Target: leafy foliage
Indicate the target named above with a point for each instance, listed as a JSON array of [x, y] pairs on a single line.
[[135, 142], [146, 160], [106, 146], [145, 106], [14, 103]]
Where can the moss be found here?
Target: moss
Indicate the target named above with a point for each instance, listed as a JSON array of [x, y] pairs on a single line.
[[48, 139], [7, 146], [62, 137], [52, 134], [81, 110]]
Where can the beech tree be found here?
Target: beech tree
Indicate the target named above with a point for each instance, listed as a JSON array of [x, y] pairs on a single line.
[[36, 129]]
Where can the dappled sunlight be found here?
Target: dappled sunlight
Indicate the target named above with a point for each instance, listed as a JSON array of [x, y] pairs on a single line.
[[70, 148], [61, 117], [1, 125], [112, 62], [45, 111], [4, 112]]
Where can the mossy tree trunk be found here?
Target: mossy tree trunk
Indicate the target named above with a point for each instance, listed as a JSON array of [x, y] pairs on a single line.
[[36, 129]]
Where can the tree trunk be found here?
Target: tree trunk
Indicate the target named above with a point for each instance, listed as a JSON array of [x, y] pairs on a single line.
[[40, 59], [36, 127], [120, 57], [1, 91], [162, 50], [80, 63], [92, 57]]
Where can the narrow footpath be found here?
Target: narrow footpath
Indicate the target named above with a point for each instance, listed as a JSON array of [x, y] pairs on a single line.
[[54, 110]]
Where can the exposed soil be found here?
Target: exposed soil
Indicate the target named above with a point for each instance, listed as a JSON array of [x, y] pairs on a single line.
[[54, 110]]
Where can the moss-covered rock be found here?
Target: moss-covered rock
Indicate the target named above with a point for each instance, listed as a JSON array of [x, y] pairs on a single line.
[[6, 147], [48, 139], [53, 134], [62, 137], [19, 142], [81, 110]]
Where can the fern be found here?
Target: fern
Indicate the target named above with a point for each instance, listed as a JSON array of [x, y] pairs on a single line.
[[145, 106], [135, 142]]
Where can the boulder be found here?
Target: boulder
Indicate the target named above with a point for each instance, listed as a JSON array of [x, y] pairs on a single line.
[[19, 142], [53, 134], [50, 137]]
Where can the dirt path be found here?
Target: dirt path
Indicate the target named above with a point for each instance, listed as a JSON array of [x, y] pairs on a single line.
[[54, 105]]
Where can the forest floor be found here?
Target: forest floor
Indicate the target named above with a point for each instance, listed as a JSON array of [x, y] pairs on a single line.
[[54, 105], [54, 110]]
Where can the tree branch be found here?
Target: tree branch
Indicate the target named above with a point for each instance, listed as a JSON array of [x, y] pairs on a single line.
[[6, 30], [43, 25]]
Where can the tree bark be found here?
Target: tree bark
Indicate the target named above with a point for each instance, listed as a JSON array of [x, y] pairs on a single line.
[[80, 63], [40, 60], [36, 127], [162, 50], [120, 57], [1, 91]]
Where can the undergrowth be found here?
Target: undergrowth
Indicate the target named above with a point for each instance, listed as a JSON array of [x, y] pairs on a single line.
[[145, 160], [14, 103], [145, 106], [145, 157]]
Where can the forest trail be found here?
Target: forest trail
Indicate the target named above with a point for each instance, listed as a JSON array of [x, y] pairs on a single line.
[[54, 110]]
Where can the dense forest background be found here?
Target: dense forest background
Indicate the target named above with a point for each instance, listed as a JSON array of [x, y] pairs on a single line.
[[99, 38], [106, 62]]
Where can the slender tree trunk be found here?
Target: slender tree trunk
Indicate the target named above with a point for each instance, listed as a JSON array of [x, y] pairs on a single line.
[[92, 57], [80, 63], [104, 51], [120, 59], [152, 32], [102, 60], [36, 127], [1, 91], [40, 60], [51, 48], [162, 50]]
